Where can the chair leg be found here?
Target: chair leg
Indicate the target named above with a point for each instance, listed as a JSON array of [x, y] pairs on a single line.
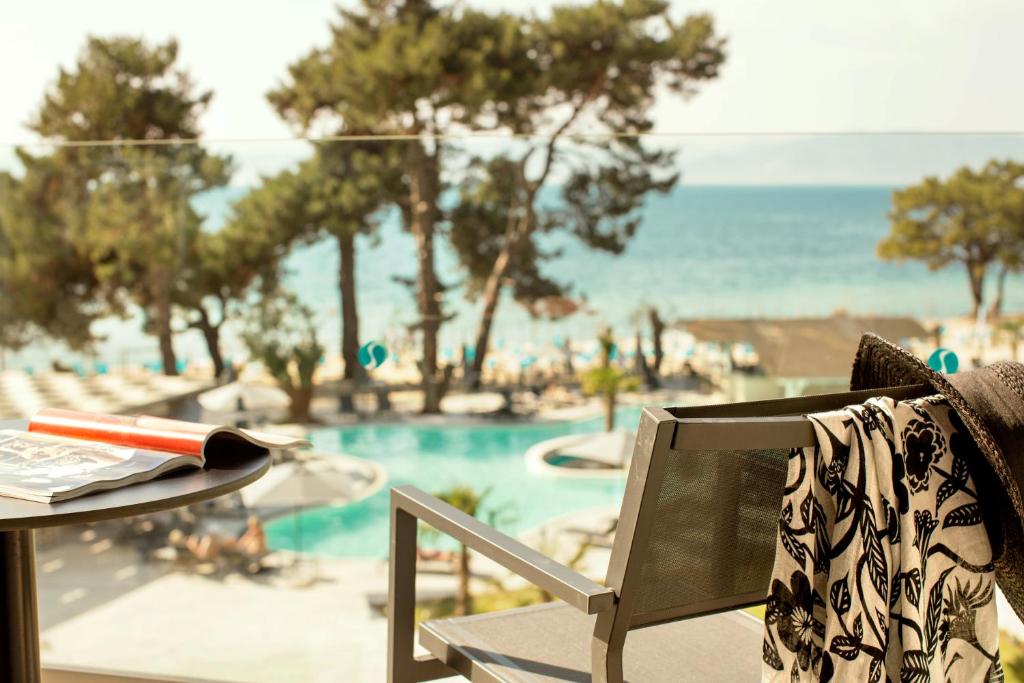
[[401, 597], [605, 662]]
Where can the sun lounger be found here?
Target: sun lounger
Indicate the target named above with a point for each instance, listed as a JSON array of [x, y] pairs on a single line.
[[234, 558], [695, 539]]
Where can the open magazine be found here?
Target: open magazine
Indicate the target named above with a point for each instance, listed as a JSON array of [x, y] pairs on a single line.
[[67, 453]]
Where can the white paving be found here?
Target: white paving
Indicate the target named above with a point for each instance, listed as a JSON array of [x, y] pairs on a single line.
[[238, 629]]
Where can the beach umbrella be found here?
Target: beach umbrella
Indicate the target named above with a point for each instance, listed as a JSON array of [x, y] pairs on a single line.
[[243, 397], [307, 482], [614, 448]]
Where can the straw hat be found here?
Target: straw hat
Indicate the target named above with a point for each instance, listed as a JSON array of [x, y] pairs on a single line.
[[990, 401]]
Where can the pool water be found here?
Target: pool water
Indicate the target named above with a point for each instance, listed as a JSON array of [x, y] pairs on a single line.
[[435, 458]]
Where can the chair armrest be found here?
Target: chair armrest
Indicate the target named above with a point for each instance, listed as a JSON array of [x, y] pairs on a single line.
[[540, 570]]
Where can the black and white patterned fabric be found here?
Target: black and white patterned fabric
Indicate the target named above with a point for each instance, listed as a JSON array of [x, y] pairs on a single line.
[[883, 569]]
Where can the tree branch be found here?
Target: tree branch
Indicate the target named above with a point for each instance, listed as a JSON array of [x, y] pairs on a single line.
[[549, 159], [549, 151]]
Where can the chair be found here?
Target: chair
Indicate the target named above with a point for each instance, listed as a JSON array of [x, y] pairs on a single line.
[[695, 541]]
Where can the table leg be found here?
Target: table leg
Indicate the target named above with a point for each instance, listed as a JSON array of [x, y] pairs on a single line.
[[19, 620]]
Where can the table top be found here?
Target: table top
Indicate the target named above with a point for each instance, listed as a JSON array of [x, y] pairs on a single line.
[[172, 490]]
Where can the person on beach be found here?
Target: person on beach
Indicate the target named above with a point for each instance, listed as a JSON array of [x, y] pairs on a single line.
[[254, 540], [208, 547]]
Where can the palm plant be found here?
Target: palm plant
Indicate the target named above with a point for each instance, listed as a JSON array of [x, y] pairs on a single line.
[[607, 381], [468, 500]]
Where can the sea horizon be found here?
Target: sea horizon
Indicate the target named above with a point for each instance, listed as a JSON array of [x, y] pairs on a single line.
[[704, 250]]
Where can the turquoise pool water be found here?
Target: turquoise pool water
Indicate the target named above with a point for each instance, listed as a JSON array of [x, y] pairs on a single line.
[[435, 458]]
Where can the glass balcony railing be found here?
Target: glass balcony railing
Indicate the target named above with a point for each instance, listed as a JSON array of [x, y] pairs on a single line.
[[120, 262]]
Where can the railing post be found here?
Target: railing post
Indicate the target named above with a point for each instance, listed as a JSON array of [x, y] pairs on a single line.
[[402, 597]]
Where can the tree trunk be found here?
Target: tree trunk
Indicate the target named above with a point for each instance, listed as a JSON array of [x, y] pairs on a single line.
[[423, 213], [521, 221], [609, 411], [349, 312], [657, 329], [976, 277], [996, 309], [211, 334], [430, 322], [162, 322], [641, 364], [463, 600], [354, 373], [492, 292], [298, 406], [167, 357]]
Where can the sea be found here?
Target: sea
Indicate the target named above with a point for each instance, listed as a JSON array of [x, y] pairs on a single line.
[[700, 252]]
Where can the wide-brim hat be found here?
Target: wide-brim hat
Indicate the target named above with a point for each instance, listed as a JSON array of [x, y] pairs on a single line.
[[990, 402]]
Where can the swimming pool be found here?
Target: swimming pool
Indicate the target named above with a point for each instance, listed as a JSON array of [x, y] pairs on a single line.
[[435, 458]]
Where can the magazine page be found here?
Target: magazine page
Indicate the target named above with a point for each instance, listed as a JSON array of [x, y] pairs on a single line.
[[43, 467]]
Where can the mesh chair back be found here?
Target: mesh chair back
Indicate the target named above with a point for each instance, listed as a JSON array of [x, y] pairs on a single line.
[[700, 516], [711, 542]]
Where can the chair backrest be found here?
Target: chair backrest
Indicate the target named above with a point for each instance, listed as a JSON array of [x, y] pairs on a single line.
[[698, 524], [711, 542]]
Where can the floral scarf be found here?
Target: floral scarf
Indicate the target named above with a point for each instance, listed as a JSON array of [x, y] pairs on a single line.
[[883, 569]]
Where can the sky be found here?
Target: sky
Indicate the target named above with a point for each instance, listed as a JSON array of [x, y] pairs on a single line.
[[797, 66], [806, 68]]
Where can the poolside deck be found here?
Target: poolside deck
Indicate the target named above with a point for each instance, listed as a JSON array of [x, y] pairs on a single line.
[[233, 629]]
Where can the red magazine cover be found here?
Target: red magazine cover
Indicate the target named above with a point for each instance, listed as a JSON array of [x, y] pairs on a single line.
[[143, 431], [135, 431]]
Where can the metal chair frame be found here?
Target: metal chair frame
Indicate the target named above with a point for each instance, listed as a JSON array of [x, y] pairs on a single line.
[[663, 433]]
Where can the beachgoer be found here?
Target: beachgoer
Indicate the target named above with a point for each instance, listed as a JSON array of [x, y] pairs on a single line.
[[207, 547], [254, 540]]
